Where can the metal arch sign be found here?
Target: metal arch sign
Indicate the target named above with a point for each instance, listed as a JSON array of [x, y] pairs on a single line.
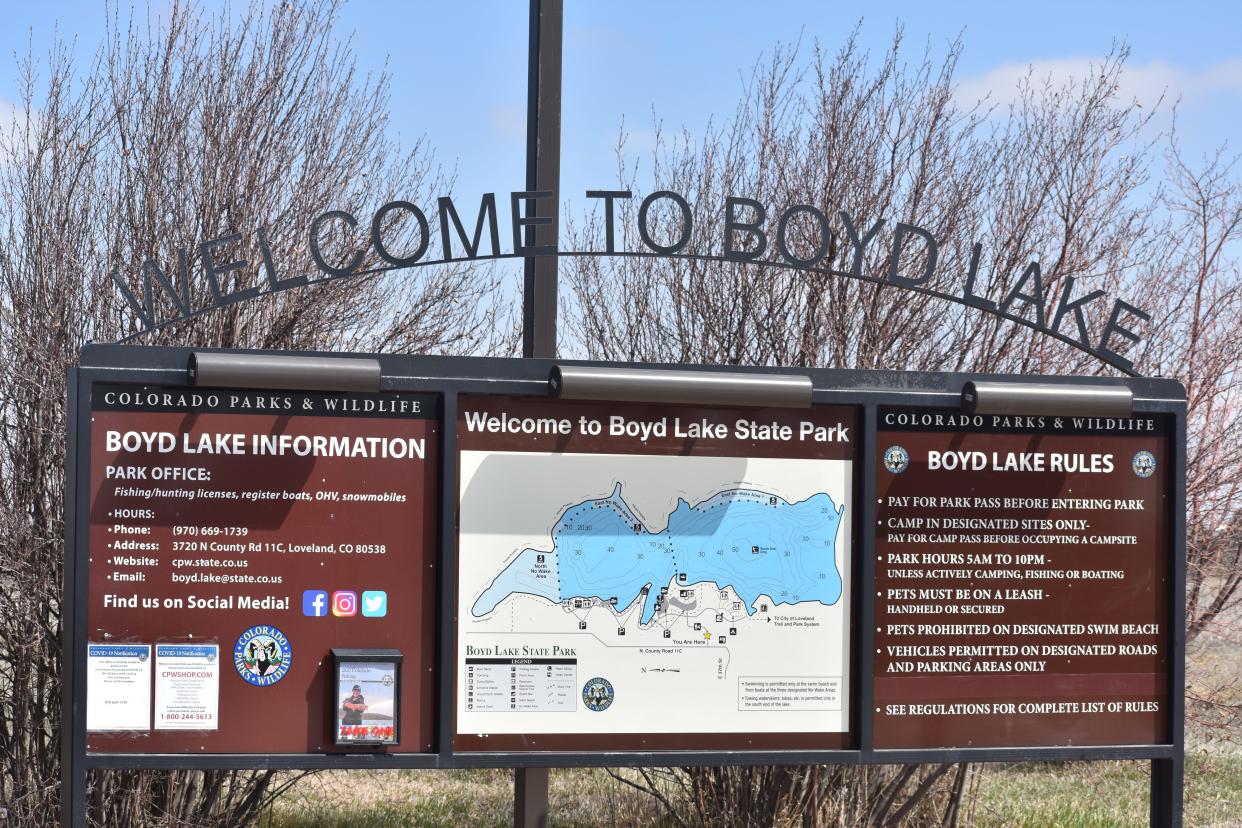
[[753, 234]]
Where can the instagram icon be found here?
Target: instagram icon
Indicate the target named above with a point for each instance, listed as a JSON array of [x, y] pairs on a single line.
[[344, 604]]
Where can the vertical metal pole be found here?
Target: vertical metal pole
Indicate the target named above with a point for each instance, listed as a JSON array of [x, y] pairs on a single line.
[[72, 745], [543, 172], [73, 797], [1166, 792], [864, 656], [1167, 774], [530, 797]]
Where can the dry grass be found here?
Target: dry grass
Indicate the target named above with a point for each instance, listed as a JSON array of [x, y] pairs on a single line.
[[479, 798], [1214, 686], [1065, 795], [1104, 794]]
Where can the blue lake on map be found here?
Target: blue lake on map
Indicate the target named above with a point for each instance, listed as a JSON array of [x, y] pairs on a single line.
[[755, 542]]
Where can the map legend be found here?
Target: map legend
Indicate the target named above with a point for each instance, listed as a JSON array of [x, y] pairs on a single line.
[[498, 685]]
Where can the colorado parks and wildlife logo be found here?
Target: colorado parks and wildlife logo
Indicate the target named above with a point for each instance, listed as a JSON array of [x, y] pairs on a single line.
[[896, 459], [262, 655], [597, 694], [1144, 463]]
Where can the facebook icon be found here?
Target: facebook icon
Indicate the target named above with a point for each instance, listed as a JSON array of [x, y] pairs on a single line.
[[315, 603]]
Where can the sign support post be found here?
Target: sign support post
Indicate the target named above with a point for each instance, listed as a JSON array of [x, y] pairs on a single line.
[[543, 175], [73, 770], [1167, 775], [1166, 792], [530, 797], [539, 289]]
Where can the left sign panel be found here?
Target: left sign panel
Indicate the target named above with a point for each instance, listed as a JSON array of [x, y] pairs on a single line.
[[241, 535]]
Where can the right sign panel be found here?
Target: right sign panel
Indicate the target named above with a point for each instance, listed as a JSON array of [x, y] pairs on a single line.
[[1022, 580]]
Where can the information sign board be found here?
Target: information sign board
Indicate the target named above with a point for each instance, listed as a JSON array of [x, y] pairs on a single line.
[[240, 535], [875, 573], [1022, 580], [640, 577]]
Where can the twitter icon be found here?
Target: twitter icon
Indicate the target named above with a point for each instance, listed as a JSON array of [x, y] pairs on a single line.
[[375, 603]]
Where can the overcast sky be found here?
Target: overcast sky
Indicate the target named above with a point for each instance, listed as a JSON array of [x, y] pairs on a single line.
[[460, 68]]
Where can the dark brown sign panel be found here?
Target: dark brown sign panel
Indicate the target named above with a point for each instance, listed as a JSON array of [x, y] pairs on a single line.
[[1022, 580], [236, 538], [640, 577]]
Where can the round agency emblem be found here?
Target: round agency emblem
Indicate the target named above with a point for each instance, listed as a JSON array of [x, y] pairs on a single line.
[[262, 655], [597, 694], [896, 459], [1144, 463]]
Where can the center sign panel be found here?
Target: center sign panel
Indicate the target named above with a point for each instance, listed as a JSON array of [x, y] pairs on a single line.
[[636, 577]]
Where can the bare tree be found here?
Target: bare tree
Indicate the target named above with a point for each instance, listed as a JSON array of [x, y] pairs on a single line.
[[760, 796], [180, 129], [1053, 178], [1195, 338], [1063, 176]]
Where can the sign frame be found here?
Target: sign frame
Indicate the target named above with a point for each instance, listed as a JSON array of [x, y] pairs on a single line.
[[451, 376]]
